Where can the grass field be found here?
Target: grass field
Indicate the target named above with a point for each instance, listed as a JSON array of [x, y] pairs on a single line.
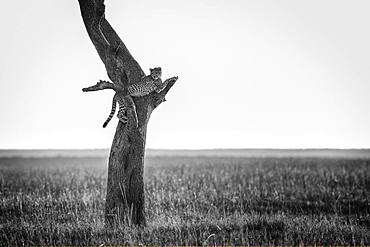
[[190, 201]]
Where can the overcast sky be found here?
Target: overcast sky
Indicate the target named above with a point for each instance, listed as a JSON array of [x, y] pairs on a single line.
[[252, 74]]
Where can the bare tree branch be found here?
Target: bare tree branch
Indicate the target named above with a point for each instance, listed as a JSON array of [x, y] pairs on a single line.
[[92, 12], [158, 98], [101, 85], [88, 12]]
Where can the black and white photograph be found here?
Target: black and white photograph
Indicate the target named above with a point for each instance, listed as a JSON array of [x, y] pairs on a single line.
[[185, 123]]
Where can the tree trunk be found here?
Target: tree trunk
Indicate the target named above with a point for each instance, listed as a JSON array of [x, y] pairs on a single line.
[[125, 186]]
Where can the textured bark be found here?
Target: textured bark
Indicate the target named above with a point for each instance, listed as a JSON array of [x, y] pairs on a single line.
[[125, 186]]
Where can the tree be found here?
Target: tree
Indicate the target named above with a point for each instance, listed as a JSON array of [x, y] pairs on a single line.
[[125, 186]]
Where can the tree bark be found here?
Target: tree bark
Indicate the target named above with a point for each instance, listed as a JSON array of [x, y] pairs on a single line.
[[125, 185]]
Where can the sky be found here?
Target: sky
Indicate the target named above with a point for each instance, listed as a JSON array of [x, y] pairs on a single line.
[[252, 73]]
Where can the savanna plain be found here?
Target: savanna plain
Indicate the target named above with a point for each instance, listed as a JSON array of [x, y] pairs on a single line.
[[190, 200]]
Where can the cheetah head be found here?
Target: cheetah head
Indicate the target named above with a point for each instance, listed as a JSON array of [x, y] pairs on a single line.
[[156, 73]]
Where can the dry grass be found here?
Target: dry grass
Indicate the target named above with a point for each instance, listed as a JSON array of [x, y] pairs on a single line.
[[190, 201]]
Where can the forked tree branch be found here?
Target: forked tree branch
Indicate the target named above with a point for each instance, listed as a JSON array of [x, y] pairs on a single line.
[[126, 159], [111, 48]]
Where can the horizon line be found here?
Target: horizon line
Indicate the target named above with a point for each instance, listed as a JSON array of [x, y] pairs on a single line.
[[181, 149]]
